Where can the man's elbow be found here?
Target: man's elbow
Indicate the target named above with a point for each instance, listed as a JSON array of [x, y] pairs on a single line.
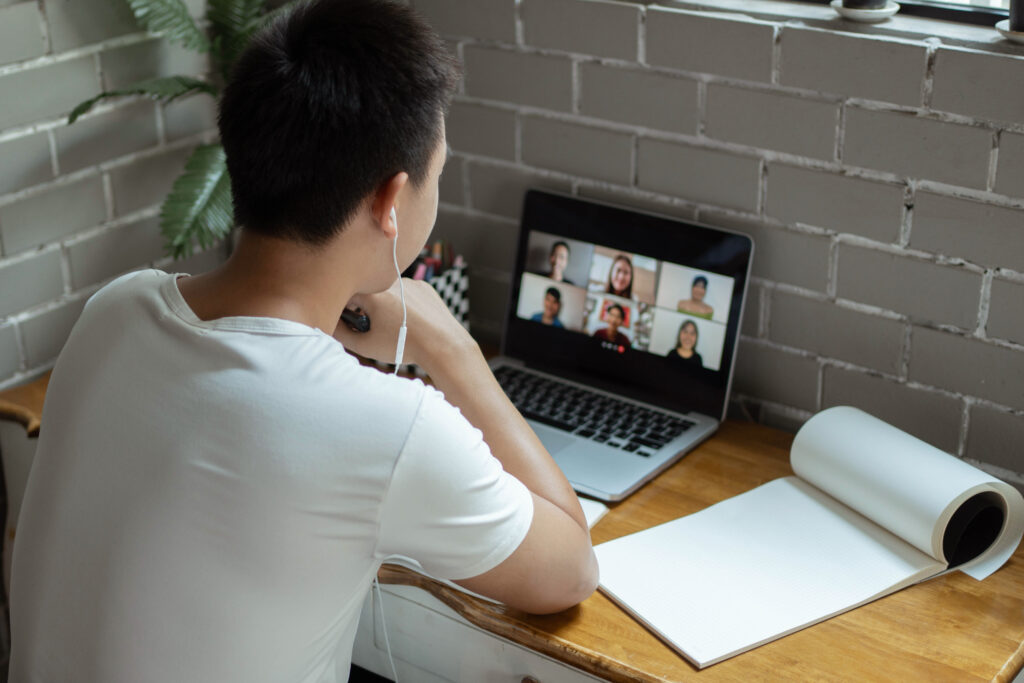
[[576, 587]]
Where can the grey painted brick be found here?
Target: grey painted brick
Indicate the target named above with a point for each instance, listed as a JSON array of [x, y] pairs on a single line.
[[74, 23], [924, 291], [595, 27], [828, 330], [44, 335], [188, 116], [766, 120], [114, 252], [143, 183], [995, 436], [450, 188], [694, 41], [484, 242], [482, 19], [781, 255], [579, 150], [10, 359], [25, 162], [699, 175], [480, 129], [52, 215], [853, 66], [124, 66], [968, 366], [107, 136], [536, 80], [625, 197], [775, 375], [979, 84], [27, 283], [639, 98], [928, 415], [835, 202], [55, 90], [980, 233], [918, 148], [1006, 311], [21, 32], [1010, 173], [500, 190]]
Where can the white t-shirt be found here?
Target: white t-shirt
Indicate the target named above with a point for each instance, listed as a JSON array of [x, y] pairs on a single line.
[[210, 501]]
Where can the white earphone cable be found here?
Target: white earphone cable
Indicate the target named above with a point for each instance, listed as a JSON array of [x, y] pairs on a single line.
[[384, 628], [400, 348]]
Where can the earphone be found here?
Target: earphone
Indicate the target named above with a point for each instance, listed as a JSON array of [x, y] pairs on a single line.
[[400, 349]]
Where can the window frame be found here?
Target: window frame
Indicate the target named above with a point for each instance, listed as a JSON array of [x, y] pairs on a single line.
[[964, 14]]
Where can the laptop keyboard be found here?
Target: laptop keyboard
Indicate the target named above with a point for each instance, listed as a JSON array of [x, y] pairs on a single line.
[[588, 414]]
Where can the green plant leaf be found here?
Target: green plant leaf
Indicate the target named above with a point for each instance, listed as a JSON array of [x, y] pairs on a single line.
[[164, 89], [170, 18], [198, 209], [232, 23]]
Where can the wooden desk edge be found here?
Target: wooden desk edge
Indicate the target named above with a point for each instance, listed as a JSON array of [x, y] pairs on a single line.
[[483, 615], [1014, 665]]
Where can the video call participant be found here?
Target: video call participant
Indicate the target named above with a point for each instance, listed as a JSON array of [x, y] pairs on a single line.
[[695, 304], [552, 307], [614, 316], [223, 480], [685, 352], [620, 277], [559, 260]]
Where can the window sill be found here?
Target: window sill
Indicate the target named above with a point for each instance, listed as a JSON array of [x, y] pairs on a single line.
[[822, 16]]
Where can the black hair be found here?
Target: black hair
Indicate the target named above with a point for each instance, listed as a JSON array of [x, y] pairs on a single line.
[[553, 291], [622, 311], [558, 244], [696, 333], [700, 278], [324, 106], [628, 292]]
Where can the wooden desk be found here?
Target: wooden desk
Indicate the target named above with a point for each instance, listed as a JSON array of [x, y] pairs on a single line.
[[950, 628]]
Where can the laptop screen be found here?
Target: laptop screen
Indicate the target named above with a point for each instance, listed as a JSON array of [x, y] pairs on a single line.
[[643, 305]]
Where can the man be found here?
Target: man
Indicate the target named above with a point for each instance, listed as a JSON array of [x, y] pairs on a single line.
[[218, 481]]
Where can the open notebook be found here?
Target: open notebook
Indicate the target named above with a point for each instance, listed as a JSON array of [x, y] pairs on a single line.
[[871, 510]]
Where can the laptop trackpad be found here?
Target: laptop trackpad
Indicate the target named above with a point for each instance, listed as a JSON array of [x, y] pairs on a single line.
[[553, 439]]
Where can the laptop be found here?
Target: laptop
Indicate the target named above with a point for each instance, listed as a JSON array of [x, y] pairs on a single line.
[[620, 336]]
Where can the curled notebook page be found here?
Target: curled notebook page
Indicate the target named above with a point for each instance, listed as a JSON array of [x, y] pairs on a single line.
[[936, 502]]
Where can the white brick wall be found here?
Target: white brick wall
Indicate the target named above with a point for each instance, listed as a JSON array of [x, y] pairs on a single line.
[[79, 204], [879, 169]]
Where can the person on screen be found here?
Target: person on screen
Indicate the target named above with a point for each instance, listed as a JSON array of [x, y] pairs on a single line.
[[559, 260], [552, 307], [685, 352], [614, 315], [695, 304], [620, 277]]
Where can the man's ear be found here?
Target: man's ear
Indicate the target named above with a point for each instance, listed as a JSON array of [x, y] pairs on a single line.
[[385, 199]]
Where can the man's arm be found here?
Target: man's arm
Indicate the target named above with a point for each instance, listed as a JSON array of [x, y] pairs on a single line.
[[554, 567]]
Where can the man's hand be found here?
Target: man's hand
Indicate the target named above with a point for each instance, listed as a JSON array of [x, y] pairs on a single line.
[[432, 330]]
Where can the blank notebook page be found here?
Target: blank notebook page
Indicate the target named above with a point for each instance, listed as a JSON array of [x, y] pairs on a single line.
[[754, 567]]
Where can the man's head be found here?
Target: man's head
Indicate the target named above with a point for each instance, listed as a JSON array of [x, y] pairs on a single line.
[[325, 107]]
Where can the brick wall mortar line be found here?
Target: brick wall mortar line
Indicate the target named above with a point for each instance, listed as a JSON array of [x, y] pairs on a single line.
[[762, 188], [935, 115], [520, 25], [982, 196], [634, 161], [93, 171], [702, 108], [577, 93], [161, 126], [996, 471], [44, 27], [764, 312], [53, 304], [832, 278], [928, 82], [641, 37], [28, 255], [76, 53], [965, 425], [985, 302], [907, 216], [915, 254], [51, 140], [108, 195], [819, 394], [993, 161], [776, 75], [477, 213], [905, 348], [797, 414], [1010, 275], [65, 270], [840, 134], [518, 154]]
